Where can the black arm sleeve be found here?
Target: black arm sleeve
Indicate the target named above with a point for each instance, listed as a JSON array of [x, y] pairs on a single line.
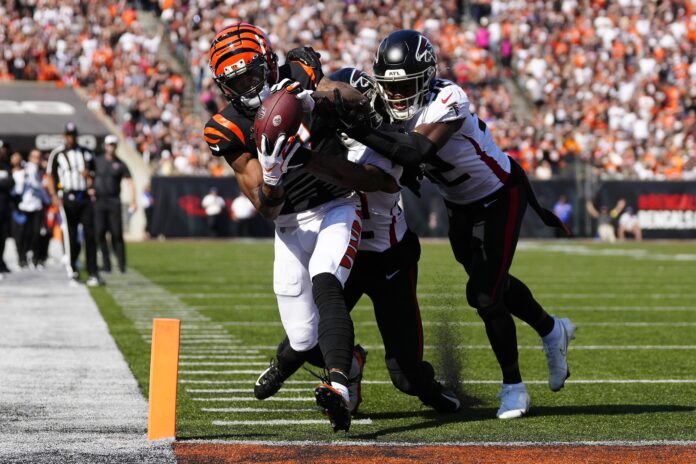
[[405, 149]]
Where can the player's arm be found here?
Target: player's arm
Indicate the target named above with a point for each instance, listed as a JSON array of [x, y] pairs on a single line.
[[268, 200], [344, 173], [52, 184]]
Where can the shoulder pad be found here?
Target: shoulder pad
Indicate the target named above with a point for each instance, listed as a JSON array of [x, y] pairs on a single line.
[[448, 102], [224, 137]]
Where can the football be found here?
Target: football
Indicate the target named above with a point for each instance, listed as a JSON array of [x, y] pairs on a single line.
[[280, 113]]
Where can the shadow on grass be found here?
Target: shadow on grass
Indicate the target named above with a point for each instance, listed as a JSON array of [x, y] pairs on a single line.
[[607, 409]]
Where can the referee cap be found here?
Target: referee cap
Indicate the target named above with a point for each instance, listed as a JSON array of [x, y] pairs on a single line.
[[111, 139], [71, 128]]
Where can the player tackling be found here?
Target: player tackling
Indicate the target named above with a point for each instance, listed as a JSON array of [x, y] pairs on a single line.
[[486, 194]]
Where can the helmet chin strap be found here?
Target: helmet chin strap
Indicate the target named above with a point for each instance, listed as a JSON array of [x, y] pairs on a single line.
[[255, 101]]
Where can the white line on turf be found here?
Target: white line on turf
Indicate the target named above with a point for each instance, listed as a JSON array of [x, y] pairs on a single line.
[[286, 422], [234, 372], [480, 324], [252, 399], [277, 410], [472, 382], [222, 363], [227, 356], [240, 390]]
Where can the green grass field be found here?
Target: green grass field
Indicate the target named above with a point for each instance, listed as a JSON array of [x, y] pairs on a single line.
[[633, 362]]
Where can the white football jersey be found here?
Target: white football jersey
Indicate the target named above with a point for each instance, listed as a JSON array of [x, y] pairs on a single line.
[[470, 166], [384, 221]]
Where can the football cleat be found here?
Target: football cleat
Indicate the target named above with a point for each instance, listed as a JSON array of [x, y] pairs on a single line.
[[334, 406], [269, 382], [514, 401], [355, 376], [557, 354], [442, 399]]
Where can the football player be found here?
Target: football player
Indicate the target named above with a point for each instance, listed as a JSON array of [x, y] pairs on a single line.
[[317, 223], [486, 194], [385, 269]]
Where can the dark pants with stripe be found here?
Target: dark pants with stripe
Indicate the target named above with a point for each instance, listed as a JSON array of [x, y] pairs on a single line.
[[79, 209], [389, 279], [484, 237], [109, 218], [28, 236]]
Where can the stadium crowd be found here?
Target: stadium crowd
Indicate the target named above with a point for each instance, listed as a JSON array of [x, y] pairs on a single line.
[[607, 82]]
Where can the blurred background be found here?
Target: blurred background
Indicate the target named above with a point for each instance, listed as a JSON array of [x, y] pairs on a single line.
[[594, 98]]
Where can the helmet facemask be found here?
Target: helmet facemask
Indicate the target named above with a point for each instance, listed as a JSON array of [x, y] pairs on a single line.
[[404, 94], [246, 85]]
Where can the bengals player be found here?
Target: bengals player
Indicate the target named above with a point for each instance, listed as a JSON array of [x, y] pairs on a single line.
[[313, 202]]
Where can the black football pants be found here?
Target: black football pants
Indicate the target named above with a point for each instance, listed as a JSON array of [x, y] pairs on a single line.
[[484, 237], [79, 209], [109, 218]]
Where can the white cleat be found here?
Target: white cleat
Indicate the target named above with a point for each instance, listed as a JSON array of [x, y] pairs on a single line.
[[514, 401], [557, 354]]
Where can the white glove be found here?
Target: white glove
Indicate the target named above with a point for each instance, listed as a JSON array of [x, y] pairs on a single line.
[[294, 88], [275, 163]]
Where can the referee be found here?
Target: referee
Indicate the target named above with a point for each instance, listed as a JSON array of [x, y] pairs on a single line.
[[110, 171], [71, 179]]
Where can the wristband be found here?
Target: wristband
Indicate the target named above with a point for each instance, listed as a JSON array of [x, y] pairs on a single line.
[[270, 202]]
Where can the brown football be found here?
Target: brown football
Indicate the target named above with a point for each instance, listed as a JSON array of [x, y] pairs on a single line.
[[280, 113]]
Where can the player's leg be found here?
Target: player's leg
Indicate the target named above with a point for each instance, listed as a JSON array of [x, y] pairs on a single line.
[[338, 237], [393, 279], [298, 313], [70, 220]]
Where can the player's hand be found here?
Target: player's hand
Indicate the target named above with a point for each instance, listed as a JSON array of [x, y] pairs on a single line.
[[309, 57], [275, 160], [351, 113], [411, 178], [294, 88]]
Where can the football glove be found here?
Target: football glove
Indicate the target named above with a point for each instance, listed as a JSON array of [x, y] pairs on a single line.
[[274, 162], [294, 88], [308, 57]]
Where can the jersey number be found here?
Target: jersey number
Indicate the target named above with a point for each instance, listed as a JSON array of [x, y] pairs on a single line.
[[439, 168]]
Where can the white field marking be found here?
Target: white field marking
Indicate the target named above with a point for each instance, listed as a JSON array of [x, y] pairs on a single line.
[[233, 372], [276, 410], [465, 307], [529, 347], [480, 324], [627, 308], [286, 422], [636, 253], [654, 296], [401, 444], [205, 336], [229, 356], [223, 363], [241, 390], [469, 382], [240, 399], [190, 350]]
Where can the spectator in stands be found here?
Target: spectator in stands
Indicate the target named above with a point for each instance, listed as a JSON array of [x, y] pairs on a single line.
[[214, 206], [605, 219], [630, 223], [6, 187]]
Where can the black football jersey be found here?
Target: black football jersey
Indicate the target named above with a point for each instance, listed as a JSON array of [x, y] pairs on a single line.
[[230, 133]]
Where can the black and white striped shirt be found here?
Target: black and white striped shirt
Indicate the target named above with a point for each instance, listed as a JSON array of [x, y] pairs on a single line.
[[66, 166]]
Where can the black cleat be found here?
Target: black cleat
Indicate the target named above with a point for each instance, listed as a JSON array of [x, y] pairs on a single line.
[[334, 406], [269, 382], [442, 399]]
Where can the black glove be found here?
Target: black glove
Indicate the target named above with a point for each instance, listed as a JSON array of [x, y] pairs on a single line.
[[411, 178], [310, 58], [350, 115]]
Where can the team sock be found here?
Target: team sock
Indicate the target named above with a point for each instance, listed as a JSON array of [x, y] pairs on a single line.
[[336, 336], [552, 337], [521, 304]]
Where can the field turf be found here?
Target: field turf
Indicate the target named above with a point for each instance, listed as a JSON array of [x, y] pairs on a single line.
[[633, 362]]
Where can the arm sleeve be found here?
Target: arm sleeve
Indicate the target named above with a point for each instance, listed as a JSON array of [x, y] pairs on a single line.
[[402, 148], [305, 75]]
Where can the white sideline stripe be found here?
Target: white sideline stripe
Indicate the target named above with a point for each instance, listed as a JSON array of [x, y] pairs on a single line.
[[218, 351], [286, 422], [185, 372], [427, 295], [284, 410], [228, 356], [636, 253], [241, 390], [654, 296], [464, 307], [222, 363], [252, 399]]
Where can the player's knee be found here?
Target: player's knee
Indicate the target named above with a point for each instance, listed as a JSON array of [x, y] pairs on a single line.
[[302, 337], [490, 308]]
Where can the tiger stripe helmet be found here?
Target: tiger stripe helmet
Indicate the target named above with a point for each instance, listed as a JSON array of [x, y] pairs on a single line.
[[243, 63]]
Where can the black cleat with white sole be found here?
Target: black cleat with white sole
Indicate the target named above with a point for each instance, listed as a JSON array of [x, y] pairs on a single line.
[[334, 405], [269, 382]]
